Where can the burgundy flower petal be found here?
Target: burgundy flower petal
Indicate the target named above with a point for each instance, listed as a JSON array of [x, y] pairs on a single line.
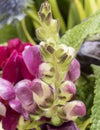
[[6, 90], [74, 71], [24, 71], [32, 58], [11, 70], [4, 53], [15, 44], [66, 126], [10, 121]]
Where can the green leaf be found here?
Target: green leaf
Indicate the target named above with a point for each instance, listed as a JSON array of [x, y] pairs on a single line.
[[7, 32], [88, 28], [85, 88], [96, 107]]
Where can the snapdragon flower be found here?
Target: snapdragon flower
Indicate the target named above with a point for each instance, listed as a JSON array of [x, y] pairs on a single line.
[[38, 82], [11, 61]]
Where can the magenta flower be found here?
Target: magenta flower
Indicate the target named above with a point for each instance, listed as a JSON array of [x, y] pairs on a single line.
[[4, 54], [9, 116], [10, 121], [32, 58], [15, 101], [11, 61]]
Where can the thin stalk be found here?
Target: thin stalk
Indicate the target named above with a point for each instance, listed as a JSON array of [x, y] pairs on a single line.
[[26, 32], [80, 9]]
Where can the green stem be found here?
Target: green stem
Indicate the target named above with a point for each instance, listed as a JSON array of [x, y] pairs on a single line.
[[86, 123], [26, 32]]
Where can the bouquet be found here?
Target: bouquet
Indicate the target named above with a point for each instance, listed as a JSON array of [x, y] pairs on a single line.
[[38, 82]]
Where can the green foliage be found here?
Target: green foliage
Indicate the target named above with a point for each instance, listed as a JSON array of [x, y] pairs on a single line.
[[90, 27], [85, 87], [7, 32], [96, 107]]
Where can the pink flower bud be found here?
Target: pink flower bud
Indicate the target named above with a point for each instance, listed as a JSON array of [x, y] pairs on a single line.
[[74, 109], [41, 92], [74, 71], [67, 89]]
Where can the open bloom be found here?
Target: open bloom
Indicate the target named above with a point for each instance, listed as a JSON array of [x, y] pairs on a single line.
[[12, 63]]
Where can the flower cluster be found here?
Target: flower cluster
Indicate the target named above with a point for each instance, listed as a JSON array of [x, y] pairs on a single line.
[[38, 81]]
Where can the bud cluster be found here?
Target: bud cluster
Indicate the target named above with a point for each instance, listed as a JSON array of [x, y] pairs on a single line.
[[46, 94], [53, 92]]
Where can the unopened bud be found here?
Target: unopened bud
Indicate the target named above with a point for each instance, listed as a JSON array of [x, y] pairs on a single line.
[[67, 90], [64, 56], [74, 109], [42, 93], [46, 72]]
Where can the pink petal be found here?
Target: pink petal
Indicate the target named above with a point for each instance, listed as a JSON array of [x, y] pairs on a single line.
[[6, 90], [74, 71], [16, 105], [32, 58]]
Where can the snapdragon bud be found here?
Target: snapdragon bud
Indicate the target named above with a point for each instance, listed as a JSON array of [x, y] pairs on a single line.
[[67, 90], [42, 93], [49, 29], [64, 56], [74, 109], [46, 50], [46, 72], [64, 53]]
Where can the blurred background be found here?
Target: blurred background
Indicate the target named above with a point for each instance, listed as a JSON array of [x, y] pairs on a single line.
[[19, 18]]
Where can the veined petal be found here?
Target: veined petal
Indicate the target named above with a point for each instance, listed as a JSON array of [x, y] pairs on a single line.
[[24, 94], [6, 90]]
